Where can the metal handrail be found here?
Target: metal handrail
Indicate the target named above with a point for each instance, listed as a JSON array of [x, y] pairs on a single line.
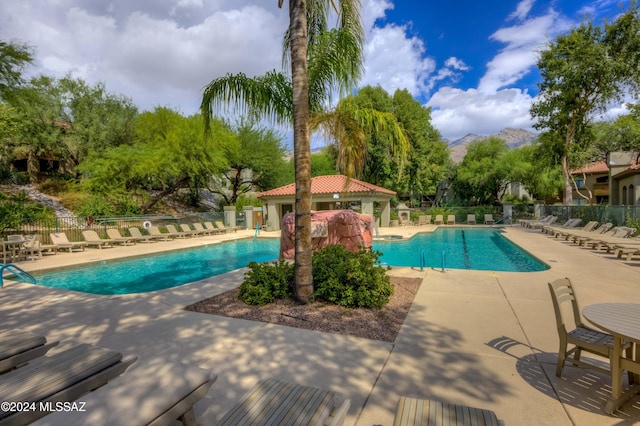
[[17, 271]]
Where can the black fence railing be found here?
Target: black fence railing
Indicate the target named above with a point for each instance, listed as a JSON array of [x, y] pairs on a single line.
[[73, 226]]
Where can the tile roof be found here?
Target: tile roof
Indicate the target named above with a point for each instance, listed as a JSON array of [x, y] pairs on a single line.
[[595, 167], [329, 185]]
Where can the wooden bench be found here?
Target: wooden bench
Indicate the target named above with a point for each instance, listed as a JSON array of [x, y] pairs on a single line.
[[155, 393], [18, 347], [274, 402], [423, 412], [63, 377]]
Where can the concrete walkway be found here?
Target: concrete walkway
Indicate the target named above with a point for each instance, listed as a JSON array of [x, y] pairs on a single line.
[[478, 338]]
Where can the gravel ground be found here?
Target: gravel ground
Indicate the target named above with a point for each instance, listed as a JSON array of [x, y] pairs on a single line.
[[376, 324]]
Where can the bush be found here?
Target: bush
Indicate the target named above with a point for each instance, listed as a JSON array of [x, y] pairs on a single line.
[[265, 282], [353, 280]]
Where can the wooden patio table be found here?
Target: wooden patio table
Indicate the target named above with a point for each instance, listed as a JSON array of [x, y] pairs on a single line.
[[622, 321]]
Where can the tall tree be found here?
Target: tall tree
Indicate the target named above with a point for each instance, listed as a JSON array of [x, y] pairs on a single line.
[[582, 73], [324, 61], [481, 178], [170, 152], [256, 161], [14, 57]]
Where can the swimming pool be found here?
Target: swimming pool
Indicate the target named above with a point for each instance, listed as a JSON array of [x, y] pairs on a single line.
[[468, 248], [161, 271], [459, 248]]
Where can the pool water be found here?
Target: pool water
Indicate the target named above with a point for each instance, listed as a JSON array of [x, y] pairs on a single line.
[[459, 248], [468, 248], [161, 271]]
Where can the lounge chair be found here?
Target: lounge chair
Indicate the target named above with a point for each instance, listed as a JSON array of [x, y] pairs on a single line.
[[582, 338], [65, 376], [60, 239], [541, 224], [570, 223], [139, 238], [627, 249], [93, 239], [173, 231], [439, 220], [154, 393], [424, 219], [154, 231], [451, 219], [564, 232], [211, 227], [18, 347], [488, 219], [201, 230], [228, 229], [187, 229], [275, 402], [525, 222], [423, 412], [471, 219], [117, 237], [574, 235], [620, 234]]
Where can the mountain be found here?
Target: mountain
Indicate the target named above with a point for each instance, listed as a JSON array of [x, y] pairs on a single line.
[[513, 137]]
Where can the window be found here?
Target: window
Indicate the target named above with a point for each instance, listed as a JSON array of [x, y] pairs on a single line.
[[580, 183], [632, 196]]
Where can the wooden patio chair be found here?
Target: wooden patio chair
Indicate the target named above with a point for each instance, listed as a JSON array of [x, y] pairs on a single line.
[[439, 220], [451, 219], [582, 337]]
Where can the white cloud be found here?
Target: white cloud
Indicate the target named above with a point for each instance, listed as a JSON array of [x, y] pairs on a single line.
[[522, 10], [148, 54], [457, 112], [394, 61], [519, 56]]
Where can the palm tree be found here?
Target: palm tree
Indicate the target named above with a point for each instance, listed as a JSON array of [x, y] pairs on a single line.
[[324, 62]]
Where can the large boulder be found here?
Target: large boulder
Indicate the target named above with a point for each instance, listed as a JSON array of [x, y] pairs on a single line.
[[346, 227]]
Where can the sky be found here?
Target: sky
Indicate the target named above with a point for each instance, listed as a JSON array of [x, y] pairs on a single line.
[[472, 62]]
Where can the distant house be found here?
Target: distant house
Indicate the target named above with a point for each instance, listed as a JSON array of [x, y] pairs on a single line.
[[591, 184], [615, 181], [328, 193]]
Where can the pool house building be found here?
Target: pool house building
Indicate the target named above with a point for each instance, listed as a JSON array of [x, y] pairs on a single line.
[[328, 193]]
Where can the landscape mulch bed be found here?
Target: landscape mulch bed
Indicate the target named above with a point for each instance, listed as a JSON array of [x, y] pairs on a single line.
[[376, 324]]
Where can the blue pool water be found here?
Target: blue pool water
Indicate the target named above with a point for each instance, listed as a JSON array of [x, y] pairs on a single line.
[[157, 272], [468, 248], [461, 248]]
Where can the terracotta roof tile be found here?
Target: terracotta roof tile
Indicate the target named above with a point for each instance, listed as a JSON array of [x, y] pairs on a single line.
[[595, 167], [329, 185]]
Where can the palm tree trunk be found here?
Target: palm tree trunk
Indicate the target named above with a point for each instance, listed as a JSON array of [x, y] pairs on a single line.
[[302, 150]]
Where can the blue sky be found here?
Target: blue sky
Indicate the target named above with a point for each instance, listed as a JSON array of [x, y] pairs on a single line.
[[472, 62]]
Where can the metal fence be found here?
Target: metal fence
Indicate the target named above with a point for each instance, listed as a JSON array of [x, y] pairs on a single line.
[[73, 226]]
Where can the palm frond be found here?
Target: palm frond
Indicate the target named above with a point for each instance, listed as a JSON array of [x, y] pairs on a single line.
[[268, 96]]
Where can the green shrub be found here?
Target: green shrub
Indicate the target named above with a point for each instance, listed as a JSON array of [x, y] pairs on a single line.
[[265, 282], [353, 280]]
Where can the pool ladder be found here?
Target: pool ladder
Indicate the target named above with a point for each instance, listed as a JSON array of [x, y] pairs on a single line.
[[17, 271], [423, 262]]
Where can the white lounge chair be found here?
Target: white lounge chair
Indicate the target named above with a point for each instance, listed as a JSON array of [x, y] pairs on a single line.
[[93, 239], [117, 237], [228, 229], [488, 219], [471, 219], [60, 239], [140, 238], [154, 231]]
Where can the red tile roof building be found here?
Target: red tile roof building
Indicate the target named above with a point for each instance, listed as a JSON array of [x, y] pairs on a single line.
[[328, 193]]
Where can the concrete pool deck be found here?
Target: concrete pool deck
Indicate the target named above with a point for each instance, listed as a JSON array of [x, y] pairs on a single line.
[[478, 338]]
